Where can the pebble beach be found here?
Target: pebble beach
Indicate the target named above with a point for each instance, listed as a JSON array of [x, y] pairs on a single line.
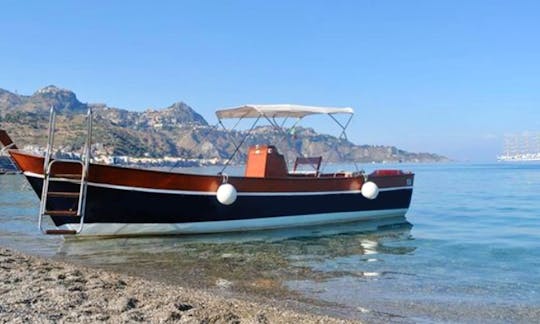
[[34, 289]]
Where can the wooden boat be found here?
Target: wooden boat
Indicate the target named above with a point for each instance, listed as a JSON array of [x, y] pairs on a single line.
[[86, 198]]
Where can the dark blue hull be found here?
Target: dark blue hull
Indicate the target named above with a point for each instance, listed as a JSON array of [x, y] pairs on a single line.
[[109, 205]]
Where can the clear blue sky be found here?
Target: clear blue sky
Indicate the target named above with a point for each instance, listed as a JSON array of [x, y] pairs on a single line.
[[450, 77]]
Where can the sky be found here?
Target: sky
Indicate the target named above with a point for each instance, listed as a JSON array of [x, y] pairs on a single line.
[[447, 77]]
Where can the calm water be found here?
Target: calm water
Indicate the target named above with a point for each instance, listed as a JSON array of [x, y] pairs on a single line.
[[471, 253]]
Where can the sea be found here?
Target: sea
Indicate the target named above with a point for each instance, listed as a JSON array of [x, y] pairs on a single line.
[[468, 250]]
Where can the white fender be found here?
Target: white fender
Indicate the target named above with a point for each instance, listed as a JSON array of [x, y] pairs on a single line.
[[226, 194], [370, 190]]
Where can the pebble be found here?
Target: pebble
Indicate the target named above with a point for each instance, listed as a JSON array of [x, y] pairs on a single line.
[[36, 290]]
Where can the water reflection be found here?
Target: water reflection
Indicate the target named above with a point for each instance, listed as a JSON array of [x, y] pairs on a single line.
[[254, 261]]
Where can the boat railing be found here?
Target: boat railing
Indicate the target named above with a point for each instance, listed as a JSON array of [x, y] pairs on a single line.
[[78, 175]]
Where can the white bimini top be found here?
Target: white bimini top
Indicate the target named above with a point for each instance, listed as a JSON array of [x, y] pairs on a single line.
[[277, 111]]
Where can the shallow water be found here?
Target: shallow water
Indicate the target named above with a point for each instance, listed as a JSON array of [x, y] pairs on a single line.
[[471, 254]]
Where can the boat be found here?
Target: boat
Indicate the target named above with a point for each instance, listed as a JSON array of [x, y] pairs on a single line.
[[523, 147], [84, 198]]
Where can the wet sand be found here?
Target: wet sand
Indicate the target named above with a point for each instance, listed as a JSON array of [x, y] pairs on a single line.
[[34, 289]]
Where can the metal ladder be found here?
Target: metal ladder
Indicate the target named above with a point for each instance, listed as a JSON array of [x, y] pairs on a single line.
[[50, 176]]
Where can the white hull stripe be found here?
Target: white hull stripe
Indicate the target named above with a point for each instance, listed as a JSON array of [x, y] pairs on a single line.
[[233, 225], [210, 193]]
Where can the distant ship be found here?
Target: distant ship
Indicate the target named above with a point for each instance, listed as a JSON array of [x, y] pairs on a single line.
[[521, 147]]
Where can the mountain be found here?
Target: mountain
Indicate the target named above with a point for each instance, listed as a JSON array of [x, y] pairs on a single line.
[[63, 100], [177, 130]]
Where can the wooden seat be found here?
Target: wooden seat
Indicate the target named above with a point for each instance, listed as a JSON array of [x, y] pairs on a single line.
[[314, 162]]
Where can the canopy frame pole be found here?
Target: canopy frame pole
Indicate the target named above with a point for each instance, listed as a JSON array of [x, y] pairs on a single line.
[[301, 154], [284, 121], [235, 124], [238, 146], [296, 122], [343, 127], [220, 122], [284, 134], [273, 122], [222, 125], [225, 128], [347, 125], [342, 135]]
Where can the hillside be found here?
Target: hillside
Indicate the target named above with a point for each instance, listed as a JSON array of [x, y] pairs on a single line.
[[177, 131]]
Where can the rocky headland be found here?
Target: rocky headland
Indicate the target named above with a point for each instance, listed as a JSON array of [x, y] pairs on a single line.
[[176, 135]]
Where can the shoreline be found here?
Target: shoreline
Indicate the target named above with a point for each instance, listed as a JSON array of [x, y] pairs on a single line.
[[38, 289]]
